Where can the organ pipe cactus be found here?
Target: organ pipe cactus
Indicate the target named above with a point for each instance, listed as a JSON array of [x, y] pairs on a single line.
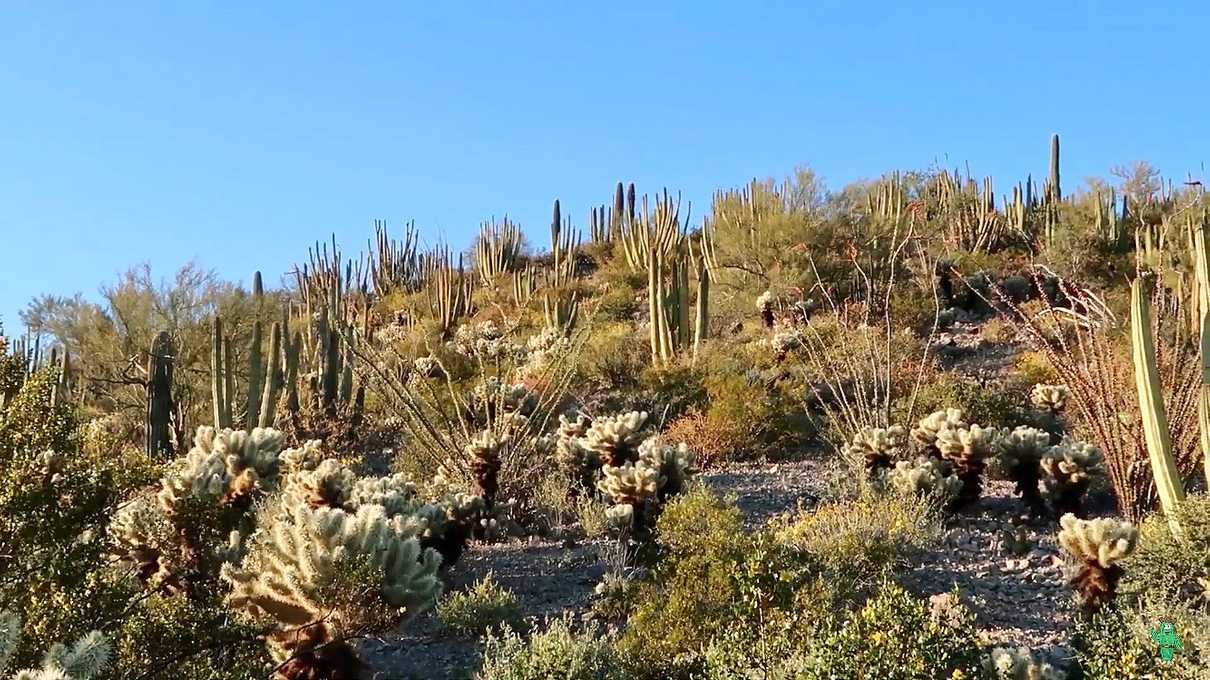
[[1097, 545], [265, 377], [1202, 272], [1151, 403], [497, 249]]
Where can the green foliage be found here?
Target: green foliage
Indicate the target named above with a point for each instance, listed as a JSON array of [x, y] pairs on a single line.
[[1164, 566], [557, 653], [174, 636], [1115, 645], [484, 606], [988, 405], [894, 637]]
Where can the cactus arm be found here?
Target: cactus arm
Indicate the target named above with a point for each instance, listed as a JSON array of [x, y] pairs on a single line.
[[255, 372], [273, 379], [217, 392], [1151, 403]]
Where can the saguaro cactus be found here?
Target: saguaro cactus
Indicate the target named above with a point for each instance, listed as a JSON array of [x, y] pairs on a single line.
[[158, 425], [1151, 403]]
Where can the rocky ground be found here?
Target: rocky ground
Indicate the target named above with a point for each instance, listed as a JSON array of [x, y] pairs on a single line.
[[1008, 571]]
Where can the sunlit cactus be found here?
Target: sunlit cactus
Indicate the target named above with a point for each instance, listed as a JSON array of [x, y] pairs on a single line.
[[925, 432], [926, 476], [330, 484], [1098, 545], [145, 537], [616, 439], [877, 448], [296, 578], [580, 464], [428, 367], [1019, 663], [228, 465], [84, 659], [1067, 471], [673, 465], [1050, 398], [764, 307], [1019, 455], [483, 451], [968, 448]]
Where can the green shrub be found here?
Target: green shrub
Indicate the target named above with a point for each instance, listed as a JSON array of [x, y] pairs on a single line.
[[1116, 645], [557, 653], [987, 405], [700, 522], [484, 606], [1163, 566], [894, 636]]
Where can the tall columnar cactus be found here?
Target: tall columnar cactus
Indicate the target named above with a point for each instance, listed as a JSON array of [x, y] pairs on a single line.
[[1151, 403], [1055, 190], [564, 243], [1202, 271], [497, 250], [701, 327], [1097, 545], [264, 378], [161, 361]]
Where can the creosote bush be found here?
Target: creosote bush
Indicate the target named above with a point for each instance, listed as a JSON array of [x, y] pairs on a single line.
[[484, 606]]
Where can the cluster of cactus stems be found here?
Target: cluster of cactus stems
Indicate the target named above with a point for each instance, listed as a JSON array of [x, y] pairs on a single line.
[[396, 265], [652, 232], [1151, 403], [85, 659], [1097, 545], [668, 287], [497, 250], [28, 355], [449, 293]]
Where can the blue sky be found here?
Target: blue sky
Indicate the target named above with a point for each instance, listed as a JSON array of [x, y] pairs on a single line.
[[238, 133]]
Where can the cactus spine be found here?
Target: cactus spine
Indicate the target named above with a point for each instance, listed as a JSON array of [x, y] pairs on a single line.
[[158, 425], [1151, 403]]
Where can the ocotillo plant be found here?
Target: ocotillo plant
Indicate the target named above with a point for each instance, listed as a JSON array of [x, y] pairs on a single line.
[[1151, 403], [161, 361]]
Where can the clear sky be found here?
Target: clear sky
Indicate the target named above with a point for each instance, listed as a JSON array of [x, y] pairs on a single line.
[[238, 133]]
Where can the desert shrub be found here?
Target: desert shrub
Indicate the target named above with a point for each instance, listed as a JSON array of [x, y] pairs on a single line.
[[619, 302], [860, 540], [484, 606], [1164, 566], [171, 635], [700, 522], [614, 355], [669, 391], [1116, 644], [988, 405], [894, 636], [557, 652]]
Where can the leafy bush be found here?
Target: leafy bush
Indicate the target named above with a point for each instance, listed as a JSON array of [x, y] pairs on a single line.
[[894, 636], [484, 606], [1163, 566], [988, 405], [559, 652]]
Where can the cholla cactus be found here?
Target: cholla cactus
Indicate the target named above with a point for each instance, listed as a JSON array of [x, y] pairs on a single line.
[[225, 465], [764, 307], [330, 484], [1098, 545], [1019, 455], [784, 341], [616, 439], [926, 431], [487, 340], [484, 454], [305, 457], [1020, 663], [10, 633], [146, 537], [295, 577], [1050, 398], [1067, 471], [428, 367], [579, 463], [674, 465], [926, 476], [85, 659], [968, 448], [630, 484], [877, 448]]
